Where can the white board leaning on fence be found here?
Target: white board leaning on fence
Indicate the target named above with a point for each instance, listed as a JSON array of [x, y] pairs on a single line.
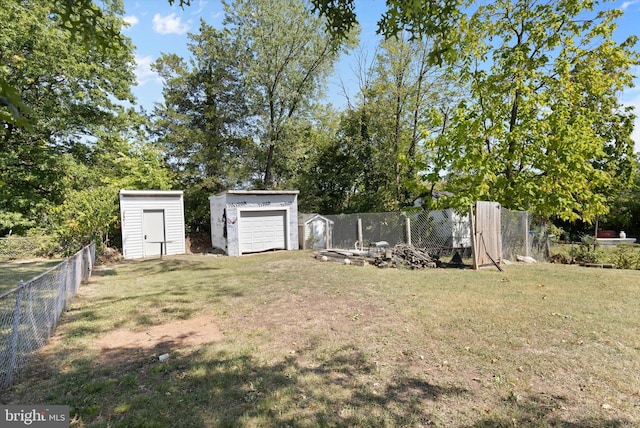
[[152, 223]]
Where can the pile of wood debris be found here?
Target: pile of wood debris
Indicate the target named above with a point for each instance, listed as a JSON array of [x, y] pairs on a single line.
[[402, 255]]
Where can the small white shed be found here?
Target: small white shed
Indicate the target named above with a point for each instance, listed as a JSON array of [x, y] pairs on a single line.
[[315, 231], [152, 223], [250, 221]]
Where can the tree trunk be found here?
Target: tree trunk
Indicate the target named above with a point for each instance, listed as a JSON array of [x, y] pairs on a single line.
[[268, 179]]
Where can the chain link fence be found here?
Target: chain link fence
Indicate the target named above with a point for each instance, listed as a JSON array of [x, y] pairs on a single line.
[[440, 232], [16, 247], [522, 235], [361, 230], [29, 313]]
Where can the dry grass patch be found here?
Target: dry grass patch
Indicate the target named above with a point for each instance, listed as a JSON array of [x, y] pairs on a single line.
[[297, 342]]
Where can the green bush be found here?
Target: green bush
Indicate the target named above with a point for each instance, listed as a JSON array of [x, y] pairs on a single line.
[[623, 256], [626, 257], [25, 247], [586, 253]]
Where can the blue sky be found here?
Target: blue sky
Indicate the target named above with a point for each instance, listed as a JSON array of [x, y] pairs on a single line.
[[156, 28]]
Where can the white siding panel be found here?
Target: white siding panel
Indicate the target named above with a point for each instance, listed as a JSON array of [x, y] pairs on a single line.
[[132, 243]]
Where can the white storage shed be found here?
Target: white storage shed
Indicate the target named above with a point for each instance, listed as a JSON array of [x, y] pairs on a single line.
[[152, 223], [249, 221], [315, 231]]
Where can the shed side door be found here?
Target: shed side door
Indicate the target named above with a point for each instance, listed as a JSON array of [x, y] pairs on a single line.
[[262, 230], [153, 232]]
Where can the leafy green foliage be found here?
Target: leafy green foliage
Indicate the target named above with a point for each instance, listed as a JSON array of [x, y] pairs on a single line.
[[71, 91], [203, 125], [64, 169], [374, 161], [624, 203], [95, 27], [586, 253], [543, 129], [90, 209], [283, 71], [436, 20], [627, 257]]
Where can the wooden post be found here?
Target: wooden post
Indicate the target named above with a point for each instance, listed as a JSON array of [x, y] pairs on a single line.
[[474, 240], [407, 223]]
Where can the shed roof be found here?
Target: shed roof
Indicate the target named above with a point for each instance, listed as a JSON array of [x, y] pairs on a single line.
[[260, 192], [306, 218], [124, 192], [255, 193]]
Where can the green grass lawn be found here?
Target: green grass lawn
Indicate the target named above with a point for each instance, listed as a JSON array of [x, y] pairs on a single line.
[[297, 342], [12, 272]]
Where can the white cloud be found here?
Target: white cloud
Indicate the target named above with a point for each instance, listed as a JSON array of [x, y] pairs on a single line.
[[201, 6], [170, 24], [131, 20], [625, 5], [144, 73]]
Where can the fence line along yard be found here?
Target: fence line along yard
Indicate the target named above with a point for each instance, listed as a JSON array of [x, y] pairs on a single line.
[[441, 232], [29, 313], [14, 247]]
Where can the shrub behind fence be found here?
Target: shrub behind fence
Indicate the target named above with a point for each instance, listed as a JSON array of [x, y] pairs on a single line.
[[16, 247], [29, 313]]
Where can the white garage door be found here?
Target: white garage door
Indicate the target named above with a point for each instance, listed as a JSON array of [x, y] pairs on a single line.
[[262, 230]]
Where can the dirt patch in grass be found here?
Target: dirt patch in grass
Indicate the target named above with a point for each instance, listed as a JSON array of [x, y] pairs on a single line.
[[198, 243], [123, 344]]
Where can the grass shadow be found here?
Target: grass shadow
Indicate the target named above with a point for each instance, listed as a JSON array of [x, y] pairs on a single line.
[[130, 386], [539, 411]]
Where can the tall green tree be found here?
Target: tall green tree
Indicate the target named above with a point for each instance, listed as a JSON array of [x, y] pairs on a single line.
[[71, 90], [287, 55], [87, 24], [377, 154], [95, 174], [543, 125], [204, 121], [405, 91]]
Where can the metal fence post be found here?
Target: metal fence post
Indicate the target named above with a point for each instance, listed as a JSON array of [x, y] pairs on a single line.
[[407, 222], [13, 344], [527, 244], [360, 239]]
